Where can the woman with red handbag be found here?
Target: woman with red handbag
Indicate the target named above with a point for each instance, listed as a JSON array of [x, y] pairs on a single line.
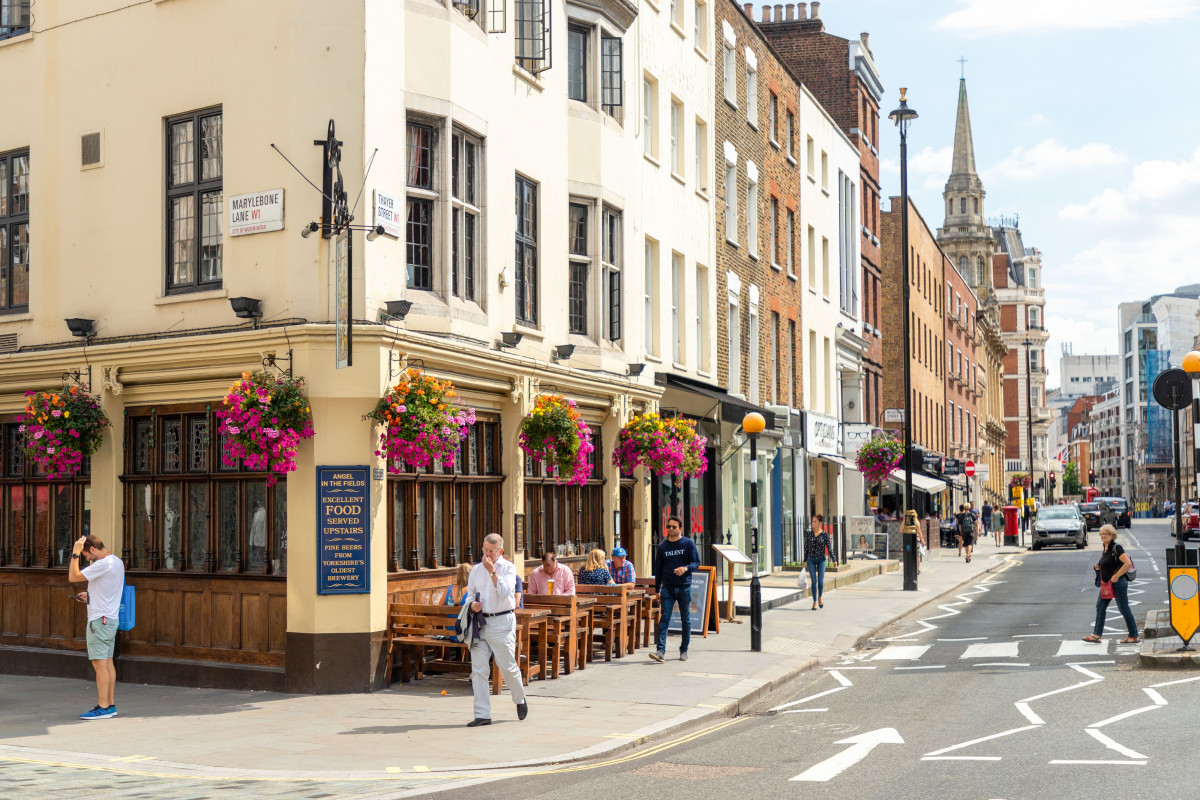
[[1113, 564], [816, 551]]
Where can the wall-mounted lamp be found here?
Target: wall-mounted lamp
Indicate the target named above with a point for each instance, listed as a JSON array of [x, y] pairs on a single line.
[[309, 229], [375, 233], [510, 338], [246, 307], [81, 327], [563, 351], [636, 369], [398, 309]]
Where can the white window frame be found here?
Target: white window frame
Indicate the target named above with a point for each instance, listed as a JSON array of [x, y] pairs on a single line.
[[650, 116], [649, 293], [773, 253], [702, 322], [677, 136], [731, 195], [751, 209], [752, 365], [751, 89], [701, 166], [735, 345], [730, 68], [677, 300]]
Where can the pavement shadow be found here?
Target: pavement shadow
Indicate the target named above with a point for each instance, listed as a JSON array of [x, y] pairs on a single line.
[[394, 729]]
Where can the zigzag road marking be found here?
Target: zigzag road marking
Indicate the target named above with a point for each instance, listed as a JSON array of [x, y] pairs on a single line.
[[951, 608]]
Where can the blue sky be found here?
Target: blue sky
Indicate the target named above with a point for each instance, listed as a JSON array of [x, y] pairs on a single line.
[[1085, 124]]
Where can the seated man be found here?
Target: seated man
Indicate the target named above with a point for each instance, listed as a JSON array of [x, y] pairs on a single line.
[[620, 567], [551, 577]]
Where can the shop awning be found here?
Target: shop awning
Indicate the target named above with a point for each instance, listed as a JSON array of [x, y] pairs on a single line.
[[732, 409], [922, 482], [839, 460]]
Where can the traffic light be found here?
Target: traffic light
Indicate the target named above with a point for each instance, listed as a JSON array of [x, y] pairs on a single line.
[[1053, 480], [1091, 477]]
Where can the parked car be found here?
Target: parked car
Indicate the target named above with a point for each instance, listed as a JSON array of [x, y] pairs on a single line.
[[1118, 505], [1091, 514], [1191, 520], [1059, 525]]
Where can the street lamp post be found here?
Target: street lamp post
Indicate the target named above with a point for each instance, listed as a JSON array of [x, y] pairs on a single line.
[[1028, 431], [752, 425], [903, 117]]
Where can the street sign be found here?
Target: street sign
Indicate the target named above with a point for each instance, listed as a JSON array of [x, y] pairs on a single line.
[[893, 415], [1184, 587], [969, 469], [952, 466]]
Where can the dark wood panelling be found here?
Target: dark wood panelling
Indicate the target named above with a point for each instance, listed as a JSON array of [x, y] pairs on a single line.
[[224, 621], [277, 620], [254, 622], [196, 627]]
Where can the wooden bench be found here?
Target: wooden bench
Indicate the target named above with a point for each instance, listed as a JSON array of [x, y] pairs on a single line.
[[414, 628], [570, 629], [649, 611], [613, 617]]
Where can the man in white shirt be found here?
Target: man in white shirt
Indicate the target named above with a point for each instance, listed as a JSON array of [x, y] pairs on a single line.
[[105, 577], [492, 583]]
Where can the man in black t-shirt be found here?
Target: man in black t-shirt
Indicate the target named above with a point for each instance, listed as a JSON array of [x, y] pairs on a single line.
[[966, 529]]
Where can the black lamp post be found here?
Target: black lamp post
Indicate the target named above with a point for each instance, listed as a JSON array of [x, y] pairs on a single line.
[[1028, 434], [753, 424], [903, 117]]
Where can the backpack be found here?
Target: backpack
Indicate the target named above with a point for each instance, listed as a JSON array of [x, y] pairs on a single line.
[[1131, 574], [127, 616]]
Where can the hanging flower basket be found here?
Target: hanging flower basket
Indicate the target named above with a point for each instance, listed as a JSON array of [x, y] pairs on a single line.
[[879, 458], [62, 429], [555, 434], [662, 445], [264, 419], [423, 422], [1020, 479]]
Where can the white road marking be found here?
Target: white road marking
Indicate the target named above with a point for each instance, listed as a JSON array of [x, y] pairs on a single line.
[[806, 699], [999, 664], [1035, 635], [1158, 699], [1127, 714], [843, 669], [932, 666], [994, 650], [804, 710], [860, 746], [1173, 683], [970, 639], [1082, 648], [901, 653], [961, 758], [954, 747], [1129, 763], [842, 679]]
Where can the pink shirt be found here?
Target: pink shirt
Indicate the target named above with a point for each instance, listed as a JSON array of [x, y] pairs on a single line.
[[564, 581]]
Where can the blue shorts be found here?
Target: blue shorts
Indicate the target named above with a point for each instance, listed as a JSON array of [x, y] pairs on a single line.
[[101, 638]]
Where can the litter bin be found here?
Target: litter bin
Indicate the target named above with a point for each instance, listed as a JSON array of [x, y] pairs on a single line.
[[1011, 526]]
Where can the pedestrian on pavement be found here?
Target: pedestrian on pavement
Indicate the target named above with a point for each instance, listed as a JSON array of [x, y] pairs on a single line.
[[966, 530], [105, 576], [816, 551], [985, 514], [674, 561], [1113, 564], [620, 567], [594, 572], [551, 577], [493, 583]]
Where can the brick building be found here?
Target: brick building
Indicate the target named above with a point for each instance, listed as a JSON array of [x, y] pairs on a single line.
[[962, 384], [928, 269]]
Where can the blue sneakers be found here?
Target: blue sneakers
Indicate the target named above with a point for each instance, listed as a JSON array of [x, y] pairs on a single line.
[[100, 713]]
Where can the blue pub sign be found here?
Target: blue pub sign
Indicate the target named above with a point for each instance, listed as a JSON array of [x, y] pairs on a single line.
[[343, 530]]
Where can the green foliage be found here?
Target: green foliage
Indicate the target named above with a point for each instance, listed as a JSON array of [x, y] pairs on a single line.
[[1070, 482]]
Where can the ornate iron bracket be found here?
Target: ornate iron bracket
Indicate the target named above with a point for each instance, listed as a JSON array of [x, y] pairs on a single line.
[[75, 377], [273, 360]]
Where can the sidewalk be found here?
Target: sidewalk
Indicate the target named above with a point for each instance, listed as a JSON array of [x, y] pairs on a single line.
[[603, 709]]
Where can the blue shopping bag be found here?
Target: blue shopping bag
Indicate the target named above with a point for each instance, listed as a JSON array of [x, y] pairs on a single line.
[[127, 616]]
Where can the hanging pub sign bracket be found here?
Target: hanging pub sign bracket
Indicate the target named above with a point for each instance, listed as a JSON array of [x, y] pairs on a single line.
[[273, 360], [75, 377]]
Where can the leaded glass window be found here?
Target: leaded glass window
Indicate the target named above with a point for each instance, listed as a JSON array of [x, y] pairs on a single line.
[[195, 200]]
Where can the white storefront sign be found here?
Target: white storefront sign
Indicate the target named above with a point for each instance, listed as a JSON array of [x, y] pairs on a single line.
[[258, 212], [983, 471], [854, 436], [824, 434], [388, 214]]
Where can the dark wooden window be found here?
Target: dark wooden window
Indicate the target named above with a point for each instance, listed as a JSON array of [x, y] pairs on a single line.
[[533, 35], [185, 511], [579, 238], [526, 253], [195, 202], [14, 230], [420, 198], [610, 75], [40, 519], [14, 18], [568, 518], [577, 63], [466, 213], [610, 257], [437, 516]]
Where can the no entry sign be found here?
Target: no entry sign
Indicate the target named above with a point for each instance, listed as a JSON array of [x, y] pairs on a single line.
[[969, 468]]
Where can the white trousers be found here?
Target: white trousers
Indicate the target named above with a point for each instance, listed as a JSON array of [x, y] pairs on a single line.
[[498, 640]]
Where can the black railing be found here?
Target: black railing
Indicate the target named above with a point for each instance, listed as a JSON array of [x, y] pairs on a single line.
[[14, 18]]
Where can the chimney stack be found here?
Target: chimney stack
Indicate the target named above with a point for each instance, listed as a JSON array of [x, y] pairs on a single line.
[[791, 12], [749, 9], [778, 12], [766, 13], [801, 10], [816, 10], [862, 37]]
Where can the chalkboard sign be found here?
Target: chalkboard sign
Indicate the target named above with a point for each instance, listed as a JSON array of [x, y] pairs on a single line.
[[702, 599], [343, 530], [881, 545]]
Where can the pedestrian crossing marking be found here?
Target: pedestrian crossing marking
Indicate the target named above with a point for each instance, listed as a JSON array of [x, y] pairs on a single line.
[[1081, 648], [901, 652], [993, 650], [394, 770]]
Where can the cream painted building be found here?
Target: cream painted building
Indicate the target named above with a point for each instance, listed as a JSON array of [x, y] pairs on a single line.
[[126, 197], [831, 310]]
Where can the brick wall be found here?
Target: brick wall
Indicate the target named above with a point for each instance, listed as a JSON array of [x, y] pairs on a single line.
[[963, 333]]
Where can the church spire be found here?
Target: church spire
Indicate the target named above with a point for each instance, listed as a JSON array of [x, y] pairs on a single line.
[[964, 148]]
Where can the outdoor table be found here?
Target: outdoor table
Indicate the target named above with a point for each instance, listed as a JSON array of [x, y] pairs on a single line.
[[528, 619], [561, 624]]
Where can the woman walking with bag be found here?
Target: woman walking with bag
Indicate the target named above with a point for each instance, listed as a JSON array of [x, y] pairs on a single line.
[[816, 550], [1113, 565]]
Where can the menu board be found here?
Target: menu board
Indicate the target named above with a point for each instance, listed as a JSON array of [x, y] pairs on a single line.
[[343, 530]]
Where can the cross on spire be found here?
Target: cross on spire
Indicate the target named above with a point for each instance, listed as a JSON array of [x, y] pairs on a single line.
[[962, 65]]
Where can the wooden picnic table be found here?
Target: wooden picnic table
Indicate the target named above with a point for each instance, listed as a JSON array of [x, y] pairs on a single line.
[[529, 619], [571, 618]]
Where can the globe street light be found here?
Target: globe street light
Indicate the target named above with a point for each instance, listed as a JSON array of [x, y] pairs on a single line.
[[752, 425], [903, 117]]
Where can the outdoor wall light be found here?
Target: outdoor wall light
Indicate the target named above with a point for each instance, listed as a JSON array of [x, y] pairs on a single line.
[[246, 307], [309, 229], [510, 338], [375, 233], [563, 351], [81, 327], [636, 369], [398, 309]]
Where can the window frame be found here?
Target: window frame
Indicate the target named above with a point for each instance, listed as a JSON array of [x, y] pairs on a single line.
[[420, 276], [533, 43], [23, 21], [650, 116], [526, 236], [465, 278], [611, 259], [579, 263], [10, 223], [612, 94], [576, 30], [196, 188]]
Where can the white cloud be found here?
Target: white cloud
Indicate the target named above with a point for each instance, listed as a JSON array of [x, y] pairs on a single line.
[[989, 17], [1152, 184], [1037, 120], [1051, 155]]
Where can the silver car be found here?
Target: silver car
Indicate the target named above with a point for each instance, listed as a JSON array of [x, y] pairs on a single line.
[[1059, 525]]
